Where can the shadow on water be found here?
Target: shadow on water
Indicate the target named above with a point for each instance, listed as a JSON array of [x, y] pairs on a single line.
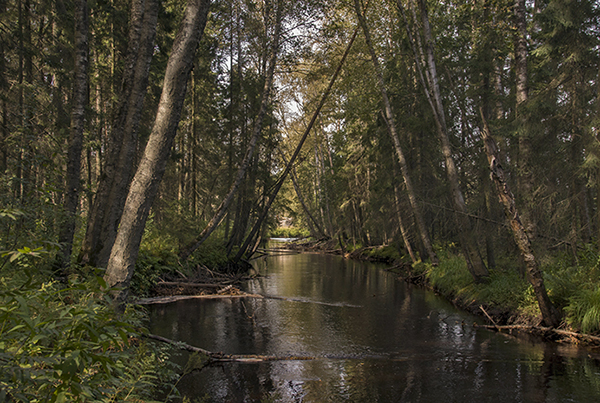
[[375, 338]]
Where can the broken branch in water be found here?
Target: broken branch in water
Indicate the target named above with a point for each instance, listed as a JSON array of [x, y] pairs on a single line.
[[545, 332], [174, 298], [220, 357]]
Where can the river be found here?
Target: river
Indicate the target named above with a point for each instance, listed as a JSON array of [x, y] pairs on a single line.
[[376, 339]]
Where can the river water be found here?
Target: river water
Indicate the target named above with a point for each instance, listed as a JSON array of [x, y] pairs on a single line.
[[376, 339]]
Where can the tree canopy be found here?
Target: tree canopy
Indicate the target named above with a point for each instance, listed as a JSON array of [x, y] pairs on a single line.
[[395, 155]]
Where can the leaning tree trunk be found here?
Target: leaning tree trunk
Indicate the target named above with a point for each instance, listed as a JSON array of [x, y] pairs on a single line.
[[258, 126], [107, 207], [401, 225], [550, 314], [312, 222], [292, 160], [524, 171], [80, 84], [146, 181], [393, 132]]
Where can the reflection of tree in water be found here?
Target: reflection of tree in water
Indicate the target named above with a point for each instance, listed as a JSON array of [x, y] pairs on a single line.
[[377, 339]]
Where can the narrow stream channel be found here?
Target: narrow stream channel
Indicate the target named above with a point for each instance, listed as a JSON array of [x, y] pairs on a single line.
[[376, 338]]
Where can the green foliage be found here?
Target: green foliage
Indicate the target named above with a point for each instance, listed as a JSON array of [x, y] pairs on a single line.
[[289, 232], [386, 253], [584, 310], [63, 344], [451, 276], [504, 289]]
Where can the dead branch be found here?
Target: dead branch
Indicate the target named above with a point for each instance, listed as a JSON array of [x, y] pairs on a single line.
[[545, 331], [221, 357], [174, 298]]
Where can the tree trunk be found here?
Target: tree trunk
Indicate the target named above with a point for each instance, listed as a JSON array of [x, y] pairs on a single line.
[[258, 126], [550, 315], [312, 222], [393, 132], [403, 230], [147, 179], [80, 83], [108, 204], [524, 172], [290, 164]]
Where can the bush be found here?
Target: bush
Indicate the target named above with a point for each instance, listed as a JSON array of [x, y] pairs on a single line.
[[289, 232], [62, 344]]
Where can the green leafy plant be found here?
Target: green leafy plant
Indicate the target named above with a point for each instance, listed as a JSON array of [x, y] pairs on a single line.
[[61, 344], [584, 310]]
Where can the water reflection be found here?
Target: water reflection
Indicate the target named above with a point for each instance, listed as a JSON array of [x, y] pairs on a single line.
[[376, 340]]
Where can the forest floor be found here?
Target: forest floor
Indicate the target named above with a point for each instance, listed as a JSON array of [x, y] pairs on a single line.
[[500, 319]]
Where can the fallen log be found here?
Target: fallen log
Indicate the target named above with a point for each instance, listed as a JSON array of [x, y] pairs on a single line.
[[182, 284], [174, 298], [221, 357], [544, 331]]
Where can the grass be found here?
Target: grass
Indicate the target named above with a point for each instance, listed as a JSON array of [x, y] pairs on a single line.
[[574, 289]]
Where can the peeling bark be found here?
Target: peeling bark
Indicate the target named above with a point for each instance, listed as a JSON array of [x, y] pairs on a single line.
[[550, 314]]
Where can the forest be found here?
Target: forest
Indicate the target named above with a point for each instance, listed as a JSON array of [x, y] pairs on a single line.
[[140, 138]]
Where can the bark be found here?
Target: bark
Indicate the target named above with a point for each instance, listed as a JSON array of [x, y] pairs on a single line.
[[393, 133], [147, 179], [403, 230], [4, 131], [550, 314], [432, 91], [524, 173], [80, 84], [112, 188], [290, 164], [258, 126]]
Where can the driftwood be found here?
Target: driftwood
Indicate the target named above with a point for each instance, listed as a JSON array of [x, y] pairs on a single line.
[[221, 357], [174, 298], [182, 284], [545, 332]]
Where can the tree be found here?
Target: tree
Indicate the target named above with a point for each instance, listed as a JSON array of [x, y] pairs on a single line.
[[147, 178], [392, 130], [258, 127], [79, 102], [104, 217], [550, 314]]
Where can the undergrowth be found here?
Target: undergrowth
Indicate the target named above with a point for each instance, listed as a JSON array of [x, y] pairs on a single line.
[[65, 343], [573, 288], [62, 341], [289, 232]]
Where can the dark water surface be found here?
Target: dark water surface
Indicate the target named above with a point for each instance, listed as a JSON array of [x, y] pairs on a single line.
[[376, 339]]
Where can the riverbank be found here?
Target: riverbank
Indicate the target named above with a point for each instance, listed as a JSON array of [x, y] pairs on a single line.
[[505, 301]]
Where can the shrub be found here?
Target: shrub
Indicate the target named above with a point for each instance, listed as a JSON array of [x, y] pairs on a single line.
[[62, 344], [289, 232]]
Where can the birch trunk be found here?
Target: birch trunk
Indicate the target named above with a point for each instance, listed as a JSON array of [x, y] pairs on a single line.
[[550, 314], [524, 171], [393, 133]]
